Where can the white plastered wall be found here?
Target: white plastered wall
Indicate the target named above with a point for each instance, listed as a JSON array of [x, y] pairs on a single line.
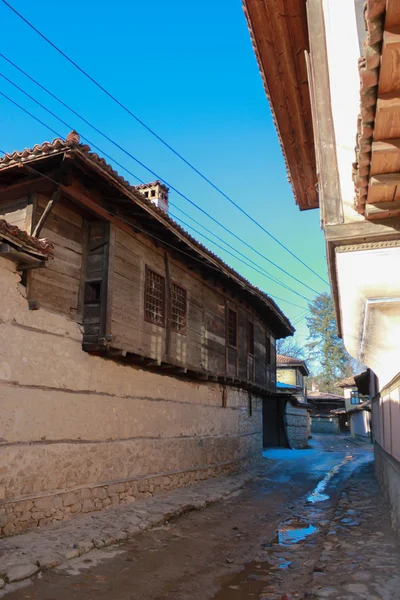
[[369, 291], [343, 54]]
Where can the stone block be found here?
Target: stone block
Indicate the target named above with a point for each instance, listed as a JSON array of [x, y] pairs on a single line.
[[57, 502], [99, 493], [36, 515], [9, 528], [44, 503], [87, 505], [49, 561], [25, 506], [85, 546], [20, 572], [71, 554], [76, 507], [70, 499], [27, 516], [85, 493]]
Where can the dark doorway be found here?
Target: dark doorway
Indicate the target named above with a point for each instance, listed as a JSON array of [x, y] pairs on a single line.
[[273, 432]]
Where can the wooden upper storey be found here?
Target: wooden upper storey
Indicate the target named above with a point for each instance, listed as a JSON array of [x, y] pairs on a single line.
[[144, 292], [280, 38]]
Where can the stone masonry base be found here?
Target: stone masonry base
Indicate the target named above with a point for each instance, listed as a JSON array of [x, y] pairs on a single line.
[[24, 555], [30, 513]]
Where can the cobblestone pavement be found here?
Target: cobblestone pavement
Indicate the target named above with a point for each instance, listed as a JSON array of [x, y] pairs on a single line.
[[343, 552], [302, 528]]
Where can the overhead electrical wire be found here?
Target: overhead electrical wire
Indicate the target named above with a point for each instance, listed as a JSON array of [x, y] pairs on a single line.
[[264, 271], [135, 176], [160, 139], [137, 227], [261, 272]]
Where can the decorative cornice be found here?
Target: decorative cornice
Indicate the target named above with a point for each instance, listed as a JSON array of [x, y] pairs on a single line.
[[368, 246]]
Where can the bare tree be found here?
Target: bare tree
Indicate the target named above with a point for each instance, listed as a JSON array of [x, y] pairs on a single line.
[[289, 347]]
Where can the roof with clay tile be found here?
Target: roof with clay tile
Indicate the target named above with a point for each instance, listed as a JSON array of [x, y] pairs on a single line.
[[72, 145], [23, 240]]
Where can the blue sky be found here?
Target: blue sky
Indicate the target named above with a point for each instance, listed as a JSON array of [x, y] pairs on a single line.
[[189, 71]]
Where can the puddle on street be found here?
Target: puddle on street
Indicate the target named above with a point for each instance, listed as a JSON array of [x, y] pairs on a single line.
[[291, 532], [318, 495], [257, 577], [260, 578]]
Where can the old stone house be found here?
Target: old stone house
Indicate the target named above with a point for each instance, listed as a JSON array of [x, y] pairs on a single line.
[[133, 360], [291, 383], [328, 412]]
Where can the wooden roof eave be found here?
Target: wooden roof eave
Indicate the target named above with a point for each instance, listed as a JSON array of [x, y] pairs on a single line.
[[279, 34]]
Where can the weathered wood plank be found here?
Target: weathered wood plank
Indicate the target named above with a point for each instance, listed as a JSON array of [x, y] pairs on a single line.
[[387, 123], [385, 157]]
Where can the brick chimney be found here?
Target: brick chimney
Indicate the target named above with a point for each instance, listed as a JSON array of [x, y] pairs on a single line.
[[156, 192]]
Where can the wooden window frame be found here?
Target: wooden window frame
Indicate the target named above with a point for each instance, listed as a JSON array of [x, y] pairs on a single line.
[[228, 311], [182, 331], [146, 318]]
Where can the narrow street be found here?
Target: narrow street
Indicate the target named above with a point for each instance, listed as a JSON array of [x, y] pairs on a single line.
[[264, 542]]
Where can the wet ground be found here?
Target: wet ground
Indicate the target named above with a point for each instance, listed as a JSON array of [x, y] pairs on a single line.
[[264, 543]]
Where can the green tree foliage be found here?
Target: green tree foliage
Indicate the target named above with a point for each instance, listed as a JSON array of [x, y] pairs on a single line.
[[325, 348]]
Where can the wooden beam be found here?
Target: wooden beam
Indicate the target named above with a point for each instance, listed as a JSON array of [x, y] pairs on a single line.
[[25, 188], [383, 179], [55, 197], [330, 196], [382, 210], [167, 306], [385, 157], [387, 123], [360, 231], [392, 14]]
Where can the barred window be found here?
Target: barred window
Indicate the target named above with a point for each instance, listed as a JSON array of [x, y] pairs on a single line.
[[250, 338], [232, 328], [178, 308], [154, 298]]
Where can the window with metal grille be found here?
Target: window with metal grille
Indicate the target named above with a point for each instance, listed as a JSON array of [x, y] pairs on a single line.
[[154, 298], [232, 328], [250, 338], [178, 308]]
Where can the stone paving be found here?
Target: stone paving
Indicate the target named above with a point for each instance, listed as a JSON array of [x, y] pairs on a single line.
[[22, 556], [361, 554], [342, 552]]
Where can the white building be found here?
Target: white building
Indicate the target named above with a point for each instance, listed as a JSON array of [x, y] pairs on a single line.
[[331, 70]]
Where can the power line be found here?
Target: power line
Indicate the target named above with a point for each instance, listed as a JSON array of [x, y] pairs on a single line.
[[160, 139], [201, 261], [135, 176], [261, 272]]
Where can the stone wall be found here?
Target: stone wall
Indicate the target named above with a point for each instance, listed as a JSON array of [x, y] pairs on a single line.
[[324, 425], [297, 426], [387, 470], [79, 433]]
